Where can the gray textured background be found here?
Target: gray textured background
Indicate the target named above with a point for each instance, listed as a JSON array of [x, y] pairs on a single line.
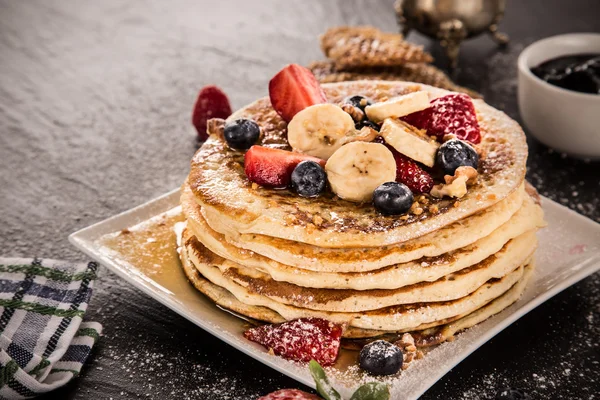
[[95, 102]]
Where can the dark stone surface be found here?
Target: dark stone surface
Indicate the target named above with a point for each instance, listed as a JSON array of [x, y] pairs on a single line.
[[95, 102]]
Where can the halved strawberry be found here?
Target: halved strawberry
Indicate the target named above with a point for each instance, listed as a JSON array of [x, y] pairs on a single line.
[[409, 172], [289, 394], [412, 175], [212, 102], [302, 339], [293, 89], [450, 114], [273, 167]]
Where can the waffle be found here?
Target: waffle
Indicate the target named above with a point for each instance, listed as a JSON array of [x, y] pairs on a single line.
[[368, 47], [327, 72]]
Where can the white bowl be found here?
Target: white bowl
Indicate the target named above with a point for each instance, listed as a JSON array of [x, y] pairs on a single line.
[[563, 119]]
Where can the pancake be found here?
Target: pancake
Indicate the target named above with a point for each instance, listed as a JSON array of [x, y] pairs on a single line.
[[225, 299], [449, 238], [424, 269], [397, 317], [438, 333], [231, 206], [447, 288]]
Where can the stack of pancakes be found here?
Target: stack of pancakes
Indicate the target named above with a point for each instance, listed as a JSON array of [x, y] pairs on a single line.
[[273, 256]]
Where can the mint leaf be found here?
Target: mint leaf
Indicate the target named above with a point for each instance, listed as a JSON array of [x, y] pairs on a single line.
[[372, 391], [324, 388]]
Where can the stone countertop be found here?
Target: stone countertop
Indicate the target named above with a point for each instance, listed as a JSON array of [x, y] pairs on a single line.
[[95, 103]]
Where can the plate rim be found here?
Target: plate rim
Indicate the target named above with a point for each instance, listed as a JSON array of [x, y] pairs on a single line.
[[251, 350]]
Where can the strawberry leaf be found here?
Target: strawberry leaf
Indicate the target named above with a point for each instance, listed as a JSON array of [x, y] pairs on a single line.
[[372, 391], [324, 388]]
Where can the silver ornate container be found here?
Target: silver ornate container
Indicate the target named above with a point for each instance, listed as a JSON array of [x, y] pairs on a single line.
[[451, 21]]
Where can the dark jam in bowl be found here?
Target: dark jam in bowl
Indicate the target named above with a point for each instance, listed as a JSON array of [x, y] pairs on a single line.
[[579, 72]]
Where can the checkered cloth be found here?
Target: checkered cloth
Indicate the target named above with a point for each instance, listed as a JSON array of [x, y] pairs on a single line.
[[43, 341]]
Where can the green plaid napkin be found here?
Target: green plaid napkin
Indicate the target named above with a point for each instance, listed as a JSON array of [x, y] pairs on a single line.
[[43, 341]]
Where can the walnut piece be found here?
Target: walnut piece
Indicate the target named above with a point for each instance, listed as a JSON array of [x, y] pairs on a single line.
[[456, 185], [469, 172], [317, 220], [407, 340], [216, 126], [356, 113], [416, 208], [290, 219], [366, 134], [409, 350], [449, 136]]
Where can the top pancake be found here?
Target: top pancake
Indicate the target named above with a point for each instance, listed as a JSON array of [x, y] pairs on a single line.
[[231, 206]]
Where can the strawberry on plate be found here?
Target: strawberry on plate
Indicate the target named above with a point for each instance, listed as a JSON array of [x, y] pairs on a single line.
[[450, 114], [212, 102], [302, 339], [273, 167], [289, 394], [293, 89]]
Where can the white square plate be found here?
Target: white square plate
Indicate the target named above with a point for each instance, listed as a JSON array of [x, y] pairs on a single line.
[[569, 251]]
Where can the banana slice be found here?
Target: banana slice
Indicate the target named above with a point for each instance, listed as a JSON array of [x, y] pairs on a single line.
[[410, 141], [398, 106], [358, 168], [318, 130]]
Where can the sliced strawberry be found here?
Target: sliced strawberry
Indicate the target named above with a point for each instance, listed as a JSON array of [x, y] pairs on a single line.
[[293, 89], [409, 172], [289, 394], [302, 339], [273, 167], [211, 103], [450, 114], [412, 175]]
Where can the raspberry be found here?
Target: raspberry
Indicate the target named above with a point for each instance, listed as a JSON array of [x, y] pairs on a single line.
[[211, 103], [450, 114], [302, 339]]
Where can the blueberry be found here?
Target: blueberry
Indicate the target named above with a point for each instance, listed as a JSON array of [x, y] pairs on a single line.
[[392, 198], [366, 122], [456, 153], [358, 101], [381, 358], [241, 134], [309, 179], [512, 394]]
